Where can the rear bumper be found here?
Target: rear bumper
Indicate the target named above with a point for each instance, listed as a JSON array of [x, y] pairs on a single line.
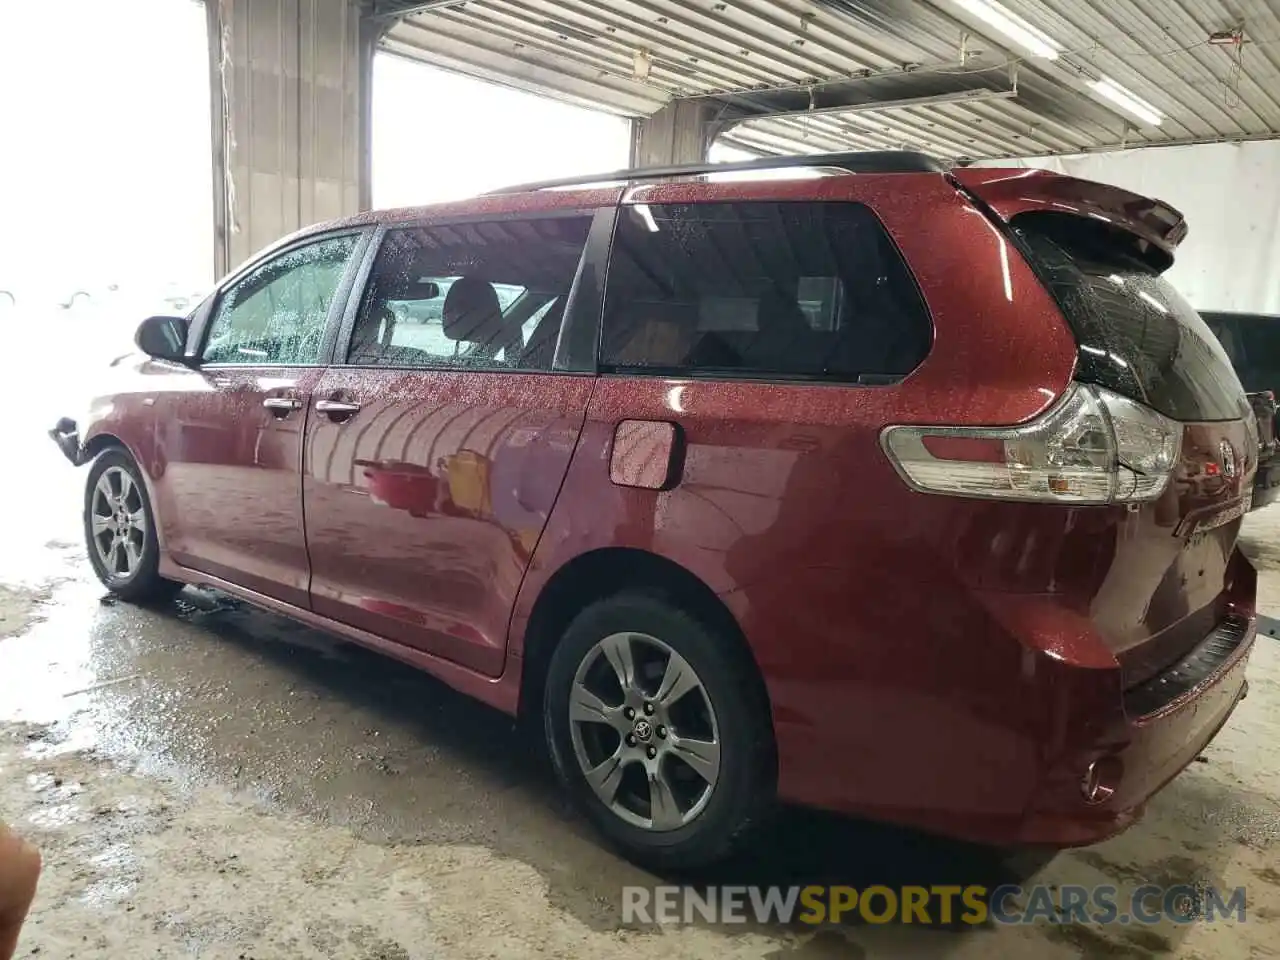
[[1011, 769], [1169, 722]]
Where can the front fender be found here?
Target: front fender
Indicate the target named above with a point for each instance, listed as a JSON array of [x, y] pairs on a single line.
[[125, 420]]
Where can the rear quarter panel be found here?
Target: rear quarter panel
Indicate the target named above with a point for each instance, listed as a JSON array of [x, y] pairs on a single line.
[[854, 593]]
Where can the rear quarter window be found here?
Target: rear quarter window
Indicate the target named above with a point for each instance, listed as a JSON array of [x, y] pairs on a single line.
[[776, 290], [1135, 333]]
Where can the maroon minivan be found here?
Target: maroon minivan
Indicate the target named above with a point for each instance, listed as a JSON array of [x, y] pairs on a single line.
[[894, 489]]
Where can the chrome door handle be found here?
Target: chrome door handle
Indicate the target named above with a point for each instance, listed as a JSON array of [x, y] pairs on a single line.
[[282, 403], [336, 406]]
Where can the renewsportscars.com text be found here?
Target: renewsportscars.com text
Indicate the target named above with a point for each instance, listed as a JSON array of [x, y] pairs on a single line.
[[939, 904]]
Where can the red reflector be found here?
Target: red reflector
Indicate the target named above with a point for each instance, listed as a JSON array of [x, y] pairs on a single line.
[[1211, 469], [972, 449]]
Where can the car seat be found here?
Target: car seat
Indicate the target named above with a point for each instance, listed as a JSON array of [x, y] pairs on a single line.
[[473, 315]]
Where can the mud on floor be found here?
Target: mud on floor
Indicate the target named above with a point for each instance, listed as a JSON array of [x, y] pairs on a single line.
[[19, 609]]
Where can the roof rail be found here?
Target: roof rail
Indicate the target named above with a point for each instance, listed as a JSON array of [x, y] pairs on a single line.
[[869, 161]]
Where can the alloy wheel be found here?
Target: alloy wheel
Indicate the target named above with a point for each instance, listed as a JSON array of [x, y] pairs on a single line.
[[644, 731], [118, 523]]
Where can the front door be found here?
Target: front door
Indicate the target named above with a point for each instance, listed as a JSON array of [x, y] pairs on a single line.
[[436, 448], [229, 433]]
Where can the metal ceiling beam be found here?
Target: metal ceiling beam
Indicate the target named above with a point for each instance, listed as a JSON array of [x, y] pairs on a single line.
[[1154, 144], [632, 57], [968, 96], [390, 10]]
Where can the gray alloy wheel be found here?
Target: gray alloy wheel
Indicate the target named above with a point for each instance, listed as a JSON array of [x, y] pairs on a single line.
[[658, 723], [120, 530], [118, 523], [644, 731]]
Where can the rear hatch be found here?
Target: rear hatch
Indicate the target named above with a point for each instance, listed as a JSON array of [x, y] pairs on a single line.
[[1101, 252]]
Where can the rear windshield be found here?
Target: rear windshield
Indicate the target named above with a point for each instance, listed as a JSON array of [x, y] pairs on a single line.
[[1136, 334]]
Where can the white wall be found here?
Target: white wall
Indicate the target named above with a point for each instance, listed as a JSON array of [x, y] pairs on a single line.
[[104, 148], [1230, 195]]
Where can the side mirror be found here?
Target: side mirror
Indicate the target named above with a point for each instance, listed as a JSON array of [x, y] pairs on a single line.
[[164, 338]]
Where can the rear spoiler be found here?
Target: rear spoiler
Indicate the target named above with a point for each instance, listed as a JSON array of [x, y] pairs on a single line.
[[1155, 227]]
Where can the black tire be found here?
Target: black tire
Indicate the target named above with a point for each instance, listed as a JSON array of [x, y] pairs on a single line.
[[745, 789], [144, 583]]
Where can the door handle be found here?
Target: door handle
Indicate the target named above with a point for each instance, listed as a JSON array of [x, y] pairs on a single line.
[[336, 406], [282, 406], [338, 411]]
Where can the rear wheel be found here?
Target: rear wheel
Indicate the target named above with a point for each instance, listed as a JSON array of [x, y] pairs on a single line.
[[657, 726], [120, 530]]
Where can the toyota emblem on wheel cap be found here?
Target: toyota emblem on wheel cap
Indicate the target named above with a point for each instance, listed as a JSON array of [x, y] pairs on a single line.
[[643, 730], [1228, 459]]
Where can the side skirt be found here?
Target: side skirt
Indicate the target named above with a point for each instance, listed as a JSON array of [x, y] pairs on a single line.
[[502, 693]]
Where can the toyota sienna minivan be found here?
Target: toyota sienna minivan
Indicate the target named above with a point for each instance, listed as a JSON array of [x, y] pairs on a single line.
[[893, 489]]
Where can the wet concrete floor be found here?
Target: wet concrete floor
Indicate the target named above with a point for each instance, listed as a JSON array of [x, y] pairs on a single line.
[[210, 781]]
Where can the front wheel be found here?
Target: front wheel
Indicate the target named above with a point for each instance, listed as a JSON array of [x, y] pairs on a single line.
[[120, 530], [659, 727]]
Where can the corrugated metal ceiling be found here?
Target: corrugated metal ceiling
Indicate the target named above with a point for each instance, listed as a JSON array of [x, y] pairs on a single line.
[[957, 75]]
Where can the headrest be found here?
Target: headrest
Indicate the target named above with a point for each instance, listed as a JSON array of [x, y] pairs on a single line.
[[471, 311]]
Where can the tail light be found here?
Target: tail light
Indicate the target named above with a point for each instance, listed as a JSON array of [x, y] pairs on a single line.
[[1093, 446]]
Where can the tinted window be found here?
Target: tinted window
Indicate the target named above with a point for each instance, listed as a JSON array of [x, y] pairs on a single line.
[[481, 295], [805, 290], [1135, 333], [1252, 341], [277, 314]]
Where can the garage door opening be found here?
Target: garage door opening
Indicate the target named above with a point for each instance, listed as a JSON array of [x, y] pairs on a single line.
[[442, 136]]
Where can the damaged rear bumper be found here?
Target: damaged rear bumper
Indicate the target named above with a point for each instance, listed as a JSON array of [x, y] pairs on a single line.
[[66, 435]]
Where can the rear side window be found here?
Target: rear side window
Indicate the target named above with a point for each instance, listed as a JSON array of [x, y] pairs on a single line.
[[773, 290], [1135, 333], [479, 295]]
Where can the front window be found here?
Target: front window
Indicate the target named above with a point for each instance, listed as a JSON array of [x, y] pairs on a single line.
[[278, 313]]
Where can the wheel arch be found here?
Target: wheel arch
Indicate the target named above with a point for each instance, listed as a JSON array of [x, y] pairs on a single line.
[[99, 443], [606, 571]]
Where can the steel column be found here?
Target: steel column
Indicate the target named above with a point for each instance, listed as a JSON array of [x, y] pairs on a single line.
[[290, 85]]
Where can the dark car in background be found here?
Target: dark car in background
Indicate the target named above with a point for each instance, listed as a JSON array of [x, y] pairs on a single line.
[[1252, 341]]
